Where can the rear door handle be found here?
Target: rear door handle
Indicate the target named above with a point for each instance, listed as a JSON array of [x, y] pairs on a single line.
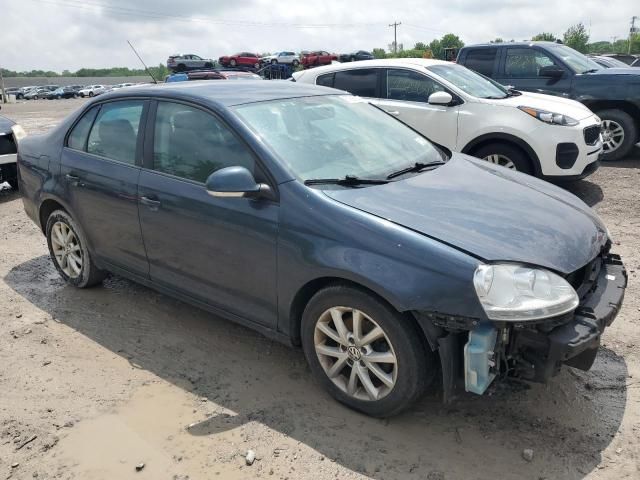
[[152, 203], [395, 113]]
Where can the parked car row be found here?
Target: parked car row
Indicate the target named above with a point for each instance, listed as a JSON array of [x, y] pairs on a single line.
[[56, 92], [186, 62], [334, 223]]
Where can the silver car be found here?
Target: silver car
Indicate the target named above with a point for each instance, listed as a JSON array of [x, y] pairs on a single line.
[[181, 63], [289, 58]]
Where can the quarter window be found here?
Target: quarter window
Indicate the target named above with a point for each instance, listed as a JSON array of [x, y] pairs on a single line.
[[410, 86], [481, 60], [190, 143], [525, 62], [325, 80], [362, 81], [115, 132], [78, 136]]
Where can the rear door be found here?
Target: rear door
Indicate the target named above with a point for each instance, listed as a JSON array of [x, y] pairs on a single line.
[[482, 60], [217, 250], [100, 165], [405, 94], [520, 67]]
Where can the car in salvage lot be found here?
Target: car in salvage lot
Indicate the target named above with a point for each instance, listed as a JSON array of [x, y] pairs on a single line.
[[92, 90], [10, 133], [542, 135], [388, 259], [242, 59]]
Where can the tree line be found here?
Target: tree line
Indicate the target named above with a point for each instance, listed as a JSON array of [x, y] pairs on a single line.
[[158, 72]]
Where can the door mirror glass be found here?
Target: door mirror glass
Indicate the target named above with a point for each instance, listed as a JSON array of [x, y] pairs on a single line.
[[440, 98], [234, 182], [552, 71]]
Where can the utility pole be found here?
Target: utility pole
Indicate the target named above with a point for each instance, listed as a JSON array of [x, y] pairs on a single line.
[[2, 95], [632, 31], [395, 35]]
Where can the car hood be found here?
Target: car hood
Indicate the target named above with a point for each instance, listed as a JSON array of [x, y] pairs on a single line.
[[489, 212], [5, 125], [617, 71], [549, 103]]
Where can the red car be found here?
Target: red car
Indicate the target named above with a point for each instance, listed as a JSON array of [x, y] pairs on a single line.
[[317, 58], [242, 59]]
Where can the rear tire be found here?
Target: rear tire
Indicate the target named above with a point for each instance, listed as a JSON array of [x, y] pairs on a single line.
[[619, 135], [233, 62], [359, 377], [208, 65], [69, 253], [505, 155], [91, 94]]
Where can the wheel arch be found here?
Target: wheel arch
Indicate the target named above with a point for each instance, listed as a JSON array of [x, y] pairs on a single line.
[[309, 289], [501, 137], [47, 207]]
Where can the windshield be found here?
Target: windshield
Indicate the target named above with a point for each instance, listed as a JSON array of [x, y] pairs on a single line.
[[336, 136], [578, 62], [470, 82]]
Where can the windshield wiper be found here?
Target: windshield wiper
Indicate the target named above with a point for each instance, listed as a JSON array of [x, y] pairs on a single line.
[[512, 92], [416, 167], [347, 180]]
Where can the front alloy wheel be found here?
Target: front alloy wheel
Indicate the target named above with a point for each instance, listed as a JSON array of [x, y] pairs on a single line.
[[355, 353], [365, 353], [501, 160]]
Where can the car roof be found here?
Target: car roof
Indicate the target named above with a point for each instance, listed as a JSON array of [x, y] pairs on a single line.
[[514, 44], [226, 93], [388, 62]]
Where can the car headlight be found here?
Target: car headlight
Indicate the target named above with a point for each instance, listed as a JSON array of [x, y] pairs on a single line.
[[511, 292], [550, 117]]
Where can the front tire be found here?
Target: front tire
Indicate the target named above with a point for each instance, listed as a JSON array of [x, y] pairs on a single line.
[[505, 155], [366, 354], [69, 252], [619, 134], [233, 63], [91, 94]]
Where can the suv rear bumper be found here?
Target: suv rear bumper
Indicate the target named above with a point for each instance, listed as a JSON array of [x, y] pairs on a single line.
[[541, 352]]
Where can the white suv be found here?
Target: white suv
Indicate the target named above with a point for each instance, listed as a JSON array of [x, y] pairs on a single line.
[[546, 136], [92, 90], [289, 58]]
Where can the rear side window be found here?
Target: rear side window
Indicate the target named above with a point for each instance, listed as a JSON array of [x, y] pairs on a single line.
[[190, 143], [410, 86], [325, 80], [115, 132], [360, 82], [525, 62], [78, 136], [481, 60]]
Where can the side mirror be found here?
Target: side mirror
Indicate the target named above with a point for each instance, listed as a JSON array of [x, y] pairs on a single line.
[[440, 98], [236, 182], [551, 71]]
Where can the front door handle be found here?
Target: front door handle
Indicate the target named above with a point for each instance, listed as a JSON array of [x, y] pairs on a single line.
[[152, 203], [72, 178], [395, 113]]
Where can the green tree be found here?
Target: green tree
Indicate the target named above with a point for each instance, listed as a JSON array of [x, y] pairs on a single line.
[[577, 37], [544, 37], [379, 53], [497, 40], [420, 46]]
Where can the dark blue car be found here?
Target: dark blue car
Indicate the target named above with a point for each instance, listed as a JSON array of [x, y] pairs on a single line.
[[321, 221]]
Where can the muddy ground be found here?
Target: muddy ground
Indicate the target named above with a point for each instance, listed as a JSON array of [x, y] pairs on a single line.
[[96, 382]]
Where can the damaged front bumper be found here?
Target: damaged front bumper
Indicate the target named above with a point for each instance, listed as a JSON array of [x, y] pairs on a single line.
[[472, 353], [537, 352]]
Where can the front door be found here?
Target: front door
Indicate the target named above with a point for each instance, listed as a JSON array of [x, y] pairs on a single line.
[[218, 250], [521, 68], [100, 166], [404, 95]]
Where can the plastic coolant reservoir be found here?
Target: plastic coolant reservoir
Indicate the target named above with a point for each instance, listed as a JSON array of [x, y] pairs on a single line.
[[479, 359]]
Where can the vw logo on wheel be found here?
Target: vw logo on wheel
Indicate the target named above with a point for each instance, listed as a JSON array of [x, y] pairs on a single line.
[[354, 353]]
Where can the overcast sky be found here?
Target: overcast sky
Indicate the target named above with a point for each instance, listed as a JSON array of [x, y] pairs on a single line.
[[70, 34]]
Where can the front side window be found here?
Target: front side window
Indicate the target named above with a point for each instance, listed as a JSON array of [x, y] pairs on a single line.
[[525, 62], [334, 136], [361, 82], [192, 144], [78, 136], [469, 81], [410, 86], [115, 132]]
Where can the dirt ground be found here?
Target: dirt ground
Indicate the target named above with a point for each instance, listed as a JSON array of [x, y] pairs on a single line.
[[96, 382]]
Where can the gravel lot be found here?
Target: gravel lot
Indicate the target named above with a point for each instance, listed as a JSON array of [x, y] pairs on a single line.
[[96, 382]]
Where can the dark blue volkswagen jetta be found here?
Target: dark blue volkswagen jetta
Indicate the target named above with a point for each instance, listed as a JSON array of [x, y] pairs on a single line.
[[317, 219]]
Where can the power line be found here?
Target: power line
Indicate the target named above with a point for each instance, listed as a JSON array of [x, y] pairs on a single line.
[[134, 12], [395, 35]]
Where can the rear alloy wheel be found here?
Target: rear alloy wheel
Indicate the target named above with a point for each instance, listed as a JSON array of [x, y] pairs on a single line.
[[505, 155], [91, 94], [68, 250], [619, 134], [232, 62], [367, 355]]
